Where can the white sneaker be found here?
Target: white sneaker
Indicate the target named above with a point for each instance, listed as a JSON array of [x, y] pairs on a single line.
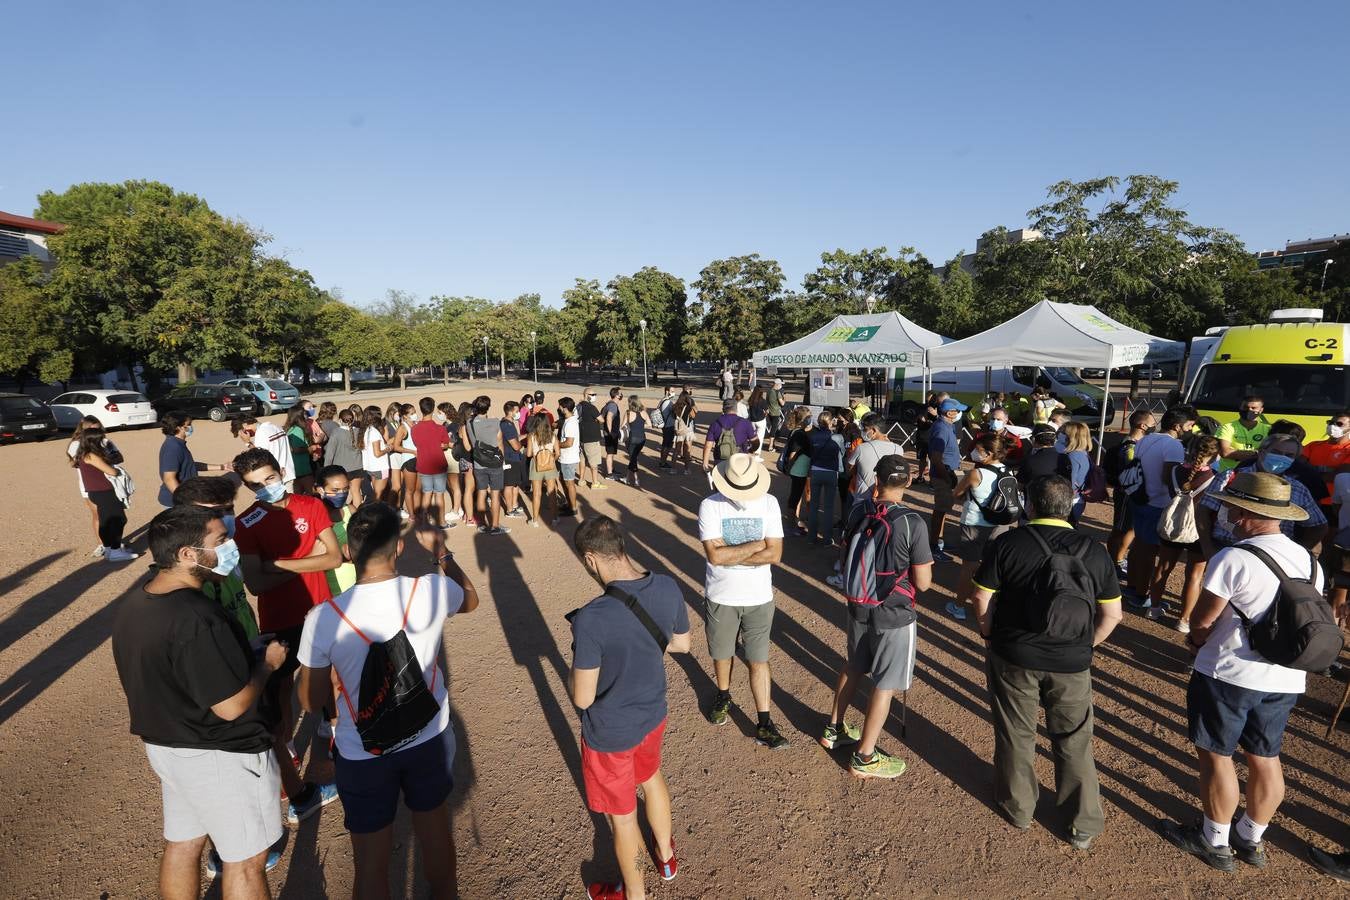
[[119, 555], [835, 581], [403, 514], [99, 551]]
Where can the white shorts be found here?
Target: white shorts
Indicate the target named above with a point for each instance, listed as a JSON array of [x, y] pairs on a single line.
[[230, 797]]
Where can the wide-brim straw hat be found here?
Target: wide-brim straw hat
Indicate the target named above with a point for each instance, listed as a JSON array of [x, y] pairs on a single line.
[[742, 477], [1265, 494]]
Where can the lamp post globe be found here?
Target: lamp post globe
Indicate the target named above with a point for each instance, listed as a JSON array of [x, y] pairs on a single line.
[[642, 324]]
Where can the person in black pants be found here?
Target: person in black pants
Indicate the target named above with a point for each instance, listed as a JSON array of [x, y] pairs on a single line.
[[97, 462]]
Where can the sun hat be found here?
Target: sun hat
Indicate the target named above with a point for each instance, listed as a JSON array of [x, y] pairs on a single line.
[[742, 477], [778, 382], [1262, 493], [951, 404]]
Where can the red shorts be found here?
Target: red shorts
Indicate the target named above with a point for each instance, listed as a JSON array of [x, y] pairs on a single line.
[[612, 779]]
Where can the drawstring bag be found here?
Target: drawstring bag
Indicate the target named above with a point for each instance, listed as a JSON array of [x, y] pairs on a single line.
[[1177, 525], [394, 702]]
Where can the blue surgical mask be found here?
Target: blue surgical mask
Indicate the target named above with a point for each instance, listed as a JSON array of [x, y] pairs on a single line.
[[228, 521], [1275, 463], [227, 557], [188, 433], [998, 425], [310, 413], [271, 493], [338, 500]]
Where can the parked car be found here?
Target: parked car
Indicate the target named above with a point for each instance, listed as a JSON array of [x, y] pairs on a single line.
[[115, 409], [216, 402], [24, 419], [1091, 373], [272, 395]]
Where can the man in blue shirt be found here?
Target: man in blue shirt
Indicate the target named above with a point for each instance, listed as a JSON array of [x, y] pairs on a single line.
[[618, 682], [944, 466]]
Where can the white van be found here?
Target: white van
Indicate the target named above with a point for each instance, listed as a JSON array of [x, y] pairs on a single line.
[[1082, 400]]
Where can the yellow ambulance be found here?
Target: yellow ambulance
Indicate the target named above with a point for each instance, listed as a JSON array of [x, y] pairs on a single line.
[[1296, 363]]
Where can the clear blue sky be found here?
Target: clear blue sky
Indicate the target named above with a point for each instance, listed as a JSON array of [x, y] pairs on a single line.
[[493, 149]]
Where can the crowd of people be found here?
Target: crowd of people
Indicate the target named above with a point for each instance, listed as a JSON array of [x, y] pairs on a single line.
[[337, 495]]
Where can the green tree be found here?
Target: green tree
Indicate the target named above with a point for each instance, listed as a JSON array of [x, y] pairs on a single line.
[[649, 295], [727, 318], [352, 339], [578, 335], [31, 330], [846, 278]]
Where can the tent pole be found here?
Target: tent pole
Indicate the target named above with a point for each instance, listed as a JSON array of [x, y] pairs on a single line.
[[1106, 398]]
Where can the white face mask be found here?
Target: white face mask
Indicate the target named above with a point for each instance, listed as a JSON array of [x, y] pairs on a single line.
[[1335, 432], [1224, 522], [978, 455]]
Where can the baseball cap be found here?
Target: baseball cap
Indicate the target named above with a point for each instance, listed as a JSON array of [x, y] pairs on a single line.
[[890, 467], [951, 404]]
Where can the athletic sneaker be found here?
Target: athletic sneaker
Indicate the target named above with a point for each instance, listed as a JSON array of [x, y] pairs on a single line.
[[670, 867], [1080, 841], [1252, 853], [1337, 865], [601, 890], [955, 610], [940, 555], [769, 736], [1189, 838], [99, 551], [121, 554], [599, 486], [720, 711], [403, 514], [1183, 626], [835, 581], [321, 796], [500, 529], [214, 863], [881, 765], [833, 738], [514, 513]]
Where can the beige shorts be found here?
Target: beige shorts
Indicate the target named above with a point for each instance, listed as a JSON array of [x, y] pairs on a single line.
[[230, 797], [592, 453]]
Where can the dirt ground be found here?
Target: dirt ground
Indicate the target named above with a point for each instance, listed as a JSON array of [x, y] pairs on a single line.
[[80, 808]]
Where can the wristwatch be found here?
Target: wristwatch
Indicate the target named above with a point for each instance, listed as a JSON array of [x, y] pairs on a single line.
[[446, 555]]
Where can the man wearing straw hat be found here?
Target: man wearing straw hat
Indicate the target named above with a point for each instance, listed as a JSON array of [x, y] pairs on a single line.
[[741, 528], [1236, 698]]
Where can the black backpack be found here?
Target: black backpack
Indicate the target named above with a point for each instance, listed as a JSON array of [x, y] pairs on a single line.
[[1299, 630], [1066, 609], [1003, 506], [1114, 461], [394, 703]]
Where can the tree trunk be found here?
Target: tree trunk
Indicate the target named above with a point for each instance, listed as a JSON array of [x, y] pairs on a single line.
[[347, 379], [502, 353], [286, 367], [187, 373], [445, 374], [131, 373], [402, 381]]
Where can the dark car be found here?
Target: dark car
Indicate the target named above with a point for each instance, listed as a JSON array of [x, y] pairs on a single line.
[[24, 419], [216, 402]]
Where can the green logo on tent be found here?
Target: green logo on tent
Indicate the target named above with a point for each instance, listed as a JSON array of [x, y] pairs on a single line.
[[847, 335]]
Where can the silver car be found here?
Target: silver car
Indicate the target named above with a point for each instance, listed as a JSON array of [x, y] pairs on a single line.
[[272, 395]]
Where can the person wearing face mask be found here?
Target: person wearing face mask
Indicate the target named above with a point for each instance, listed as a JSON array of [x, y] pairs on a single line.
[[989, 454], [334, 487], [1142, 422], [192, 684], [1239, 439], [287, 546], [176, 464], [944, 461], [1158, 455], [997, 422], [1330, 456], [216, 495], [1275, 456]]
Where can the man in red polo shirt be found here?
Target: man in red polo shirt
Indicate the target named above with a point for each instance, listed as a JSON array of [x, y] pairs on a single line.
[[430, 439], [286, 546], [1330, 455]]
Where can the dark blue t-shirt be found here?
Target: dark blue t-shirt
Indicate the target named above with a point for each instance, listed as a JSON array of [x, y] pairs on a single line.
[[174, 456], [942, 439], [510, 433], [630, 697]]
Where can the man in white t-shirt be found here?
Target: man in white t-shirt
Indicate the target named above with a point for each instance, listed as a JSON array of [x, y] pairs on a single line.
[[1158, 455], [269, 437], [388, 612], [741, 528], [863, 460], [1237, 698], [569, 450]]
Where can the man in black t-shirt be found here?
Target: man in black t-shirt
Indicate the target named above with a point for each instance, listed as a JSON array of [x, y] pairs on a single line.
[[588, 418], [192, 690], [1028, 668], [611, 417]]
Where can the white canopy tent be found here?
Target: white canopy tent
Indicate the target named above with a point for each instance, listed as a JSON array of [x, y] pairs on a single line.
[[1059, 334], [879, 340]]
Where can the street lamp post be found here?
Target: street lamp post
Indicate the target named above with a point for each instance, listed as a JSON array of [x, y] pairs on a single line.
[[870, 303], [487, 373], [1324, 274], [642, 323], [534, 354]]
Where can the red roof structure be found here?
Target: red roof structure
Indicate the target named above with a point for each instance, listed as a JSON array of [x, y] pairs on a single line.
[[29, 224]]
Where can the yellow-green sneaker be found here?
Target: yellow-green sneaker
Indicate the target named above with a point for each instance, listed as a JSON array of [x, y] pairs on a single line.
[[881, 765], [834, 738], [720, 711]]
